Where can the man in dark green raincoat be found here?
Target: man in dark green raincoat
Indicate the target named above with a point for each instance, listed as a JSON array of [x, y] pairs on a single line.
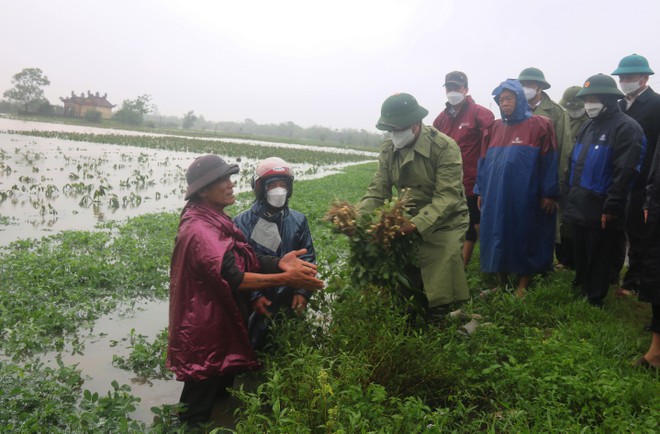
[[428, 163], [574, 107]]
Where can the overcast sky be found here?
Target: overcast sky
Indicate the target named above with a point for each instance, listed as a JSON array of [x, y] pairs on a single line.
[[329, 63]]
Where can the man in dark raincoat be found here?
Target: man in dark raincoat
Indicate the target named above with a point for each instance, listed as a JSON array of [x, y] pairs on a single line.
[[211, 263], [517, 184], [272, 228], [603, 166], [649, 289], [642, 104], [575, 108]]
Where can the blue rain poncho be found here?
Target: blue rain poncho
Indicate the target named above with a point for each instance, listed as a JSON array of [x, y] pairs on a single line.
[[517, 169]]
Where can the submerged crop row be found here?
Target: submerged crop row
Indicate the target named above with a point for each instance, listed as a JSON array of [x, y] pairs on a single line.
[[50, 183], [202, 146]]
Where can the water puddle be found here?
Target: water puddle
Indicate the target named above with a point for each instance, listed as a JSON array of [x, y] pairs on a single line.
[[148, 318]]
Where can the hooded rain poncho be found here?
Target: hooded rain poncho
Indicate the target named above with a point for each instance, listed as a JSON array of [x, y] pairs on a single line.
[[517, 169]]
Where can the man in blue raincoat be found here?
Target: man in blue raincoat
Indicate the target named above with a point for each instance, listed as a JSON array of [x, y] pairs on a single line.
[[272, 228], [517, 185], [604, 165]]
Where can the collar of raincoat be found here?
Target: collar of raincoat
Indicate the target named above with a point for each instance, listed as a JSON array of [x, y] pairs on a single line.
[[261, 208], [522, 110]]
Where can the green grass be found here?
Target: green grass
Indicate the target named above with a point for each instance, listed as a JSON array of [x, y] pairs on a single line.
[[548, 363]]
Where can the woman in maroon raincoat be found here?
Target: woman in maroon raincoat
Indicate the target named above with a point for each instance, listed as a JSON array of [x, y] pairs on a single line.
[[208, 341]]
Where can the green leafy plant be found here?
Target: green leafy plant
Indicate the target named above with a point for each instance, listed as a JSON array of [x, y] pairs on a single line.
[[147, 360]]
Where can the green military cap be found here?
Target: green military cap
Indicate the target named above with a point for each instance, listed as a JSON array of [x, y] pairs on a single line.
[[600, 84], [569, 99], [534, 74], [633, 64], [400, 111]]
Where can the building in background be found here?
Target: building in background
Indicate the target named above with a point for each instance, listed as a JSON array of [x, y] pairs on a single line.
[[78, 106]]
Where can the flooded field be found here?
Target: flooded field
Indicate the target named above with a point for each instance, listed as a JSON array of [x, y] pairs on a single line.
[[51, 184]]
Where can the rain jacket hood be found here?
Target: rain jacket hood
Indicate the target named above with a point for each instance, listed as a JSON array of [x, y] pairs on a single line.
[[207, 332], [610, 107], [522, 110]]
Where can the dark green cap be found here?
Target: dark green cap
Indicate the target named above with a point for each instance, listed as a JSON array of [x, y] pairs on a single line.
[[633, 64], [569, 99], [534, 74], [400, 111], [600, 84]]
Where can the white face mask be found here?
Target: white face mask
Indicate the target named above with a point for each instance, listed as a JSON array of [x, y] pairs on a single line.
[[276, 197], [455, 98], [630, 87], [530, 93], [593, 109], [577, 113], [401, 139]]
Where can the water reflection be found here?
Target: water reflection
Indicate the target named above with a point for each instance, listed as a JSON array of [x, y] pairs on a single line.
[[49, 184], [7, 124], [148, 318]]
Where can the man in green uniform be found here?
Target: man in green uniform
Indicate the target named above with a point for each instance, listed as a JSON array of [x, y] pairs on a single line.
[[577, 115], [428, 163], [574, 106], [534, 85]]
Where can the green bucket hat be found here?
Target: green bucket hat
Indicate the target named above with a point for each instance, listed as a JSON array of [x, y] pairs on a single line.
[[534, 74], [569, 99], [633, 64], [400, 111], [600, 84]]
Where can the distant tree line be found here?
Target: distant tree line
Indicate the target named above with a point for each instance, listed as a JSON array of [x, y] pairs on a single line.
[[283, 130], [27, 97]]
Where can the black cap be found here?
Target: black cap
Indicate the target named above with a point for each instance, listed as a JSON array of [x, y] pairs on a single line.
[[456, 77]]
